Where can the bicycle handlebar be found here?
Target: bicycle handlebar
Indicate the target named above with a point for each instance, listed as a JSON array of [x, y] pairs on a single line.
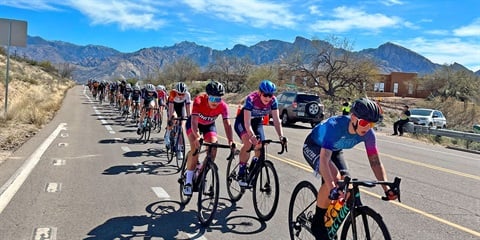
[[216, 145], [282, 142], [394, 186]]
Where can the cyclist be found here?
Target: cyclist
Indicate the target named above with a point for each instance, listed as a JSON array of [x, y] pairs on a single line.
[[323, 150], [162, 99], [205, 110], [136, 94], [127, 96], [149, 101], [178, 100], [248, 123]]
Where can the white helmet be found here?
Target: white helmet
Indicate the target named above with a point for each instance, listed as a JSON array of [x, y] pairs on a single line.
[[181, 87], [161, 87]]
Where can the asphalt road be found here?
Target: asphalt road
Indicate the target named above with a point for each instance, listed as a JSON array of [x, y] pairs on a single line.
[[85, 176]]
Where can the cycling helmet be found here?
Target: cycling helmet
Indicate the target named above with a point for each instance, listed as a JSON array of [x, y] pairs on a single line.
[[136, 88], [214, 88], [150, 88], [161, 87], [366, 109], [268, 87], [180, 87], [129, 86]]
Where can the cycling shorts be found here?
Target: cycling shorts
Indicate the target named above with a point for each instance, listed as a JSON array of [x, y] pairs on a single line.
[[311, 153], [208, 131], [256, 123], [179, 109]]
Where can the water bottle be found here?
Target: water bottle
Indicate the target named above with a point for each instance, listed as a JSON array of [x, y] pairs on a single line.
[[332, 211], [198, 169]]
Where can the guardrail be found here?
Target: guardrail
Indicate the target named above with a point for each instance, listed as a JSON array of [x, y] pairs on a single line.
[[419, 129]]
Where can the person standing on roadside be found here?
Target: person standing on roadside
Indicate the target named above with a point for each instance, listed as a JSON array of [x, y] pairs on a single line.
[[404, 118]]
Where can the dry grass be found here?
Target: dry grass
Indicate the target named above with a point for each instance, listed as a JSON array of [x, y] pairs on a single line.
[[34, 97]]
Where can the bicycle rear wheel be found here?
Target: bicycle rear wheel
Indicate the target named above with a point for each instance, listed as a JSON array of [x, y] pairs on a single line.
[[147, 130], [235, 192], [368, 224], [266, 192], [208, 194], [301, 209]]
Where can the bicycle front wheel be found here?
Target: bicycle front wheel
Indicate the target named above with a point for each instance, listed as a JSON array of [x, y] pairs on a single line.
[[301, 209], [367, 224], [208, 194], [235, 192], [181, 162], [266, 192]]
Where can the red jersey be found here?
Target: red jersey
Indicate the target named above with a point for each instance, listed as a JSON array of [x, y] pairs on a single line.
[[207, 115]]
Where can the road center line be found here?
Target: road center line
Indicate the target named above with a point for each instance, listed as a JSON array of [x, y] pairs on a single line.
[[10, 188]]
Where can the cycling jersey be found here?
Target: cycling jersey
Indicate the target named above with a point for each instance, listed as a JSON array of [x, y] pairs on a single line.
[[127, 93], [333, 134], [207, 115], [173, 97], [254, 104], [148, 98], [136, 95], [161, 97]]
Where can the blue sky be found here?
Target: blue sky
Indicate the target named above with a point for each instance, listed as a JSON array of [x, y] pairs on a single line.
[[444, 31]]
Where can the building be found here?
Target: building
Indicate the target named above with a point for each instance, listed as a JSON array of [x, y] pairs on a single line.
[[400, 84]]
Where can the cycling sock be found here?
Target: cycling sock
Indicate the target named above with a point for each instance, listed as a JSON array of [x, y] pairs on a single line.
[[241, 169], [189, 176], [318, 224]]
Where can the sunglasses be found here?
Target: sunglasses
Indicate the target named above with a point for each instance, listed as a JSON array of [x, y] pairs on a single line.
[[214, 99], [267, 95], [364, 123]]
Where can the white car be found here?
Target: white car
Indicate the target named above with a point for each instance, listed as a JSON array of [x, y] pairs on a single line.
[[428, 117]]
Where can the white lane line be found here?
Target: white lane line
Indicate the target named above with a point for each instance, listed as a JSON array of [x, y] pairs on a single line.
[[194, 236], [45, 233], [101, 117], [161, 193], [126, 149], [10, 188]]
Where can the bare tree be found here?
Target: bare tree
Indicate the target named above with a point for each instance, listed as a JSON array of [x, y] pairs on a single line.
[[332, 66], [66, 69], [231, 71], [182, 70]]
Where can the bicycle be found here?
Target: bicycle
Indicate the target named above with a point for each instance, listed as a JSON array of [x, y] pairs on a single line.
[[176, 136], [157, 120], [146, 126], [261, 177], [205, 182], [359, 221]]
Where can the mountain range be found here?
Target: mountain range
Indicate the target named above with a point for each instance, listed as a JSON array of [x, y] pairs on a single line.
[[100, 62]]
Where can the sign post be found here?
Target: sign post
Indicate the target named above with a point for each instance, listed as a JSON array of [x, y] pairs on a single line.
[[12, 33]]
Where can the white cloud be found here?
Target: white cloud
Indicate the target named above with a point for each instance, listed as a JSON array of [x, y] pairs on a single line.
[[314, 10], [30, 4], [253, 12], [127, 14], [448, 50], [346, 18], [392, 2], [472, 30]]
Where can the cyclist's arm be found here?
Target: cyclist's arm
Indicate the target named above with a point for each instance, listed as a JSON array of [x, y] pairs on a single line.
[[277, 124], [194, 122], [325, 156], [188, 110], [247, 116], [228, 130], [378, 169]]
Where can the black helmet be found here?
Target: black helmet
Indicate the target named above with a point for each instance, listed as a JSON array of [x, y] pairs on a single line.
[[366, 109], [214, 88]]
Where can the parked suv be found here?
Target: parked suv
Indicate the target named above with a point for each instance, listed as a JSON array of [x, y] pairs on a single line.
[[300, 107]]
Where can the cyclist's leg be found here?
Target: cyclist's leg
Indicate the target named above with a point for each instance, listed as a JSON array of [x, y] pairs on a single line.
[[140, 121], [191, 160]]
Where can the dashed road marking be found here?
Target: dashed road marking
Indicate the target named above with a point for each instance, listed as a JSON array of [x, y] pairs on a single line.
[[58, 162], [53, 187], [161, 193], [10, 188], [44, 233], [126, 149]]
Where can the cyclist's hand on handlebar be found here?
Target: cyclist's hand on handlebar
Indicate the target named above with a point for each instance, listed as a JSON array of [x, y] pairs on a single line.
[[390, 194], [335, 194]]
